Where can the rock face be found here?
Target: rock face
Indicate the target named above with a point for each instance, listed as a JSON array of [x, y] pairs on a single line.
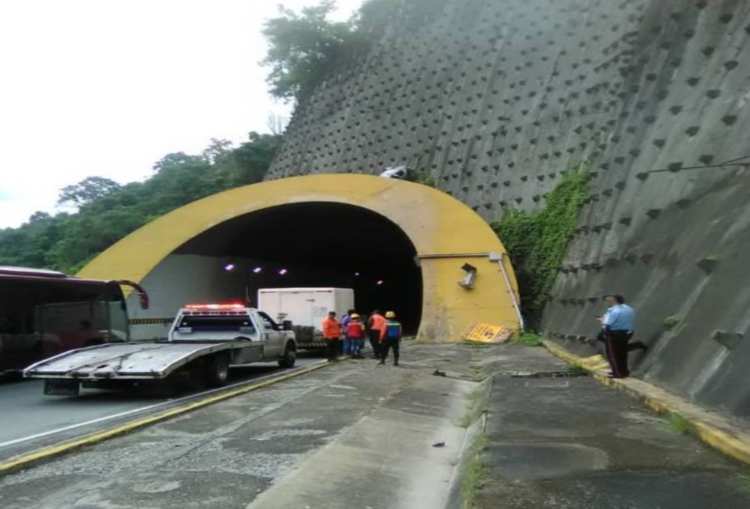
[[493, 99]]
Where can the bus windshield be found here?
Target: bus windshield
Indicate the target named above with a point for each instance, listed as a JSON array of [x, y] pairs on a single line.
[[44, 316]]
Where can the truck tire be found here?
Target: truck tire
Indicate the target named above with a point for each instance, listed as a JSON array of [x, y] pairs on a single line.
[[289, 358], [217, 370]]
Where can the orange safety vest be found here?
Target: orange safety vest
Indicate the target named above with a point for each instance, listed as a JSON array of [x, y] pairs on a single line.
[[331, 328], [377, 322]]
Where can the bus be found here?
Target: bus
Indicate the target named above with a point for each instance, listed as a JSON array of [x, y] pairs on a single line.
[[45, 312]]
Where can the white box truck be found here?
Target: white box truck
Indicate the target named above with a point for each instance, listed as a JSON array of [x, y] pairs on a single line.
[[305, 308]]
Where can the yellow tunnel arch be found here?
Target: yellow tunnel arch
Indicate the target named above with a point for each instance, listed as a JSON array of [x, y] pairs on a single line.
[[445, 233]]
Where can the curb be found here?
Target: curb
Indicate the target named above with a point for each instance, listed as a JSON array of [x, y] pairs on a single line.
[[52, 451], [711, 428]]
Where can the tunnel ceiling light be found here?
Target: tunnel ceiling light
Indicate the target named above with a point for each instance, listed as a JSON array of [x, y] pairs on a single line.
[[229, 267], [257, 270], [282, 272], [356, 274], [380, 282]]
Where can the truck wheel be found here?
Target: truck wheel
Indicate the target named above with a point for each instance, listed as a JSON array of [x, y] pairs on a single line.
[[289, 358], [217, 370]]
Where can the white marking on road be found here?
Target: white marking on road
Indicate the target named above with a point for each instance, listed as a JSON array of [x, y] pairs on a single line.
[[137, 410]]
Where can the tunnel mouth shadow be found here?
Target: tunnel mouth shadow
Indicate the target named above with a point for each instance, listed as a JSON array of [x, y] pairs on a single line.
[[321, 244]]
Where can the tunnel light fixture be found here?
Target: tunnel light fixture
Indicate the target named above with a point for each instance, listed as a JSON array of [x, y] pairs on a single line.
[[257, 270], [282, 272], [380, 282], [229, 267], [356, 274]]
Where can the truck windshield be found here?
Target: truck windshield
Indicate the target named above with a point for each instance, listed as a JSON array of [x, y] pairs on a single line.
[[217, 324]]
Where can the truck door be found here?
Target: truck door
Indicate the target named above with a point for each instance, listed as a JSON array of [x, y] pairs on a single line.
[[273, 336]]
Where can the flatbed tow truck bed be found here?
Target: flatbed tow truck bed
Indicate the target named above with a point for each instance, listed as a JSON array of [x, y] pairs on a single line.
[[126, 361]]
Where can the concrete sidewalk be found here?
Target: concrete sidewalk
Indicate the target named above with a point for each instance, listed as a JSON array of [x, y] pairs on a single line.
[[573, 443]]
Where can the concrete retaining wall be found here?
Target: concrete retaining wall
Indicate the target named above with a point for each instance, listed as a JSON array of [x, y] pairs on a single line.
[[494, 99]]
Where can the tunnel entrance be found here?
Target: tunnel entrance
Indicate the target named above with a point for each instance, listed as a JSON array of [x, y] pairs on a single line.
[[319, 244]]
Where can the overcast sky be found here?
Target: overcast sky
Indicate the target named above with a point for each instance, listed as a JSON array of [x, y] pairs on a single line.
[[108, 87]]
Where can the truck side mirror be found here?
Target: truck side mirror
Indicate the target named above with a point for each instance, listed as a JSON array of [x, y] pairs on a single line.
[[287, 325]]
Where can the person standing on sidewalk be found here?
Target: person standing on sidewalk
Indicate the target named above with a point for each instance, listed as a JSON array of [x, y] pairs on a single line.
[[390, 337], [331, 334], [619, 325], [375, 325], [355, 334]]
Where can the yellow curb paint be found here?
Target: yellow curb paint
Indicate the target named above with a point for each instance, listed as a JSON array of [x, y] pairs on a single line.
[[52, 451], [727, 439]]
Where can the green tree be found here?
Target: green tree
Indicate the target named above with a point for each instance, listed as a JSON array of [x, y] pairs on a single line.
[[87, 190], [304, 48]]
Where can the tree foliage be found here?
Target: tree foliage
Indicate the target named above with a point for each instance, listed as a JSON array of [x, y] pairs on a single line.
[[87, 190], [306, 47], [108, 211], [537, 241]]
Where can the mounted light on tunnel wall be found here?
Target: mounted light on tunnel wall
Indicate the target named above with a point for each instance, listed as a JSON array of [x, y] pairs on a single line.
[[356, 274], [257, 270], [229, 267], [282, 272], [471, 275], [380, 282]]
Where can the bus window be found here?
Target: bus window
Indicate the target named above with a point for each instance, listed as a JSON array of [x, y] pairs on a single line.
[[118, 315], [42, 315]]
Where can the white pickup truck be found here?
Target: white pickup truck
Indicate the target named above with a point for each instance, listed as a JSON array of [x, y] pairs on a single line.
[[204, 341]]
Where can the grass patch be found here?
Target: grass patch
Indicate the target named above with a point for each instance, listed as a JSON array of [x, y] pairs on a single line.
[[474, 407], [670, 322], [528, 339], [743, 482], [475, 473], [678, 423], [576, 370], [478, 344]]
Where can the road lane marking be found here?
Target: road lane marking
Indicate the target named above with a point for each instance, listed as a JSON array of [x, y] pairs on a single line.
[[167, 403], [214, 396]]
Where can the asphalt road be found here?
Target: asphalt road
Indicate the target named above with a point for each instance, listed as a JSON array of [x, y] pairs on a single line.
[[30, 419]]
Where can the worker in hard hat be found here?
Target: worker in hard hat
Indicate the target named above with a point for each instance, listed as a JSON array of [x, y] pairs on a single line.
[[355, 334], [390, 337], [375, 326], [332, 335]]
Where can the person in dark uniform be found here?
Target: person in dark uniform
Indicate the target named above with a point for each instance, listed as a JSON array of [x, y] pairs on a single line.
[[390, 338], [618, 325]]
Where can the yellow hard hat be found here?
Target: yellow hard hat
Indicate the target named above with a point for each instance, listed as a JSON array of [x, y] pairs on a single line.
[[390, 314], [354, 315]]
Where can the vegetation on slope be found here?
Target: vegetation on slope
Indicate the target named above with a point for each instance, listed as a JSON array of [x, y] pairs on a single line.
[[305, 48], [537, 241]]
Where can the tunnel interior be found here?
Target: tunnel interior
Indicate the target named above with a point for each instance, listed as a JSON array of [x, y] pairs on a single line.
[[319, 244]]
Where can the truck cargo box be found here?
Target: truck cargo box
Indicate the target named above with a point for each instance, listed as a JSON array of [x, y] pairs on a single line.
[[305, 307]]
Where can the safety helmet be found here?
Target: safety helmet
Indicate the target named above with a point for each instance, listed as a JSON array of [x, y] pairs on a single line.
[[354, 315], [390, 314]]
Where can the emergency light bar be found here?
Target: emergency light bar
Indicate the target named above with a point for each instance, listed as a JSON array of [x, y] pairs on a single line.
[[215, 307]]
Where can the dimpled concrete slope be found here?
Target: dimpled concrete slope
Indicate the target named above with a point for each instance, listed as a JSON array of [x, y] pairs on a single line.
[[496, 98]]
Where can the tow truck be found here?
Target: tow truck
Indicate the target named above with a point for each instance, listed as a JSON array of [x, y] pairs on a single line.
[[204, 342]]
